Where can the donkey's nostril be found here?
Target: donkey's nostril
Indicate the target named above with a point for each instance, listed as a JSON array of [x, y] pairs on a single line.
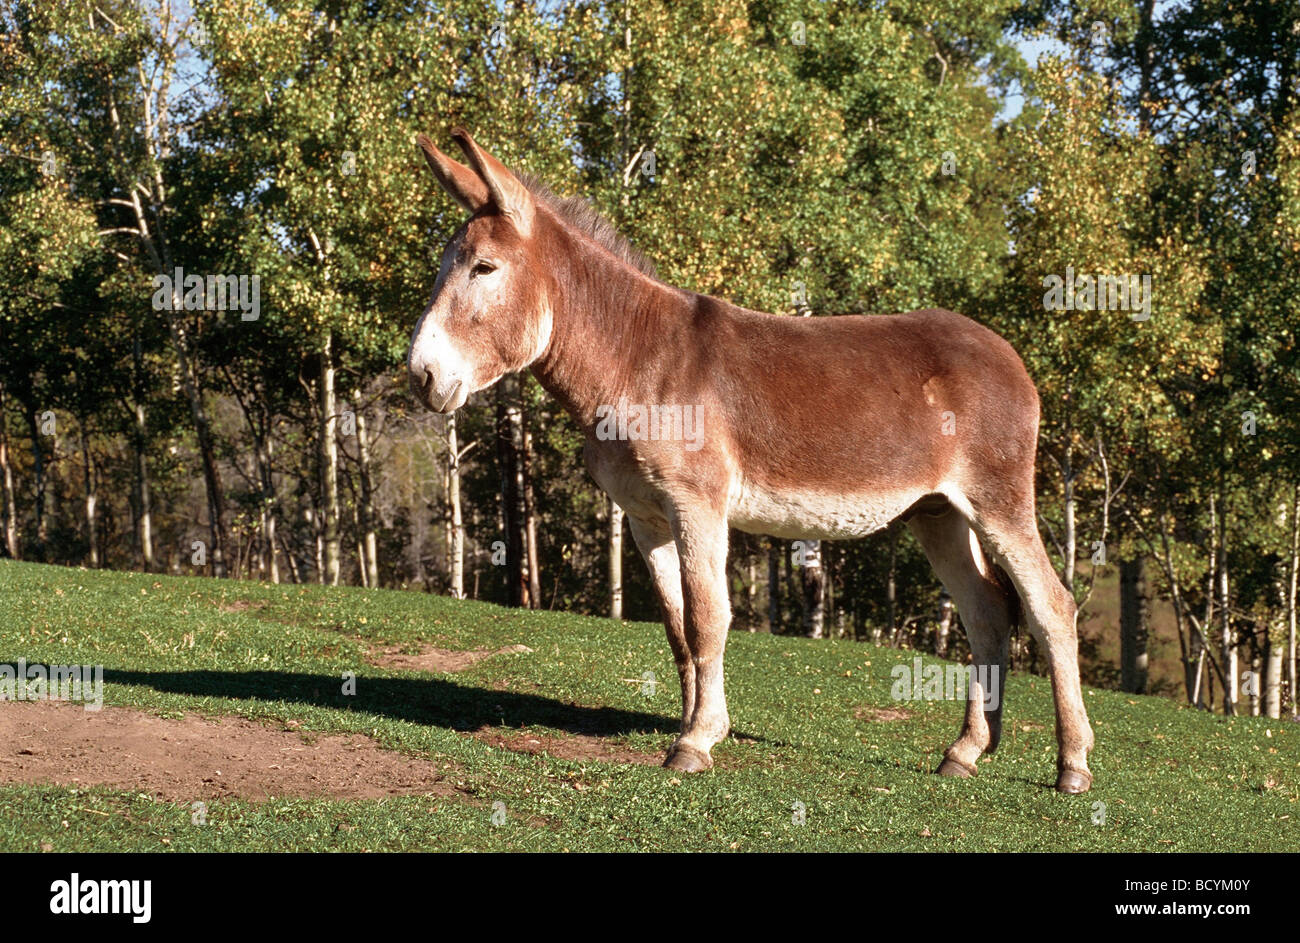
[[428, 388], [421, 382]]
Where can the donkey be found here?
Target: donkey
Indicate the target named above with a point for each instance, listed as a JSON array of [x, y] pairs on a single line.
[[828, 427]]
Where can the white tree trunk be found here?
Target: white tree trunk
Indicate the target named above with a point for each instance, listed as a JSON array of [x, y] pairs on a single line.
[[369, 542], [1227, 637], [615, 560], [329, 467], [1071, 530], [270, 564], [10, 505], [1292, 583], [813, 578], [1272, 706], [945, 624], [92, 531], [140, 437], [456, 551]]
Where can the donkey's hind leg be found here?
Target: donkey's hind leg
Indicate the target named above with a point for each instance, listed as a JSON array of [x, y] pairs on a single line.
[[1050, 612], [986, 609]]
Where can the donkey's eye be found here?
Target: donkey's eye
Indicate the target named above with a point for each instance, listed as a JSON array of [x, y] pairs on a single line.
[[482, 267]]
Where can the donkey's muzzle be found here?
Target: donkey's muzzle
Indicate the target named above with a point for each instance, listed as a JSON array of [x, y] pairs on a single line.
[[445, 400]]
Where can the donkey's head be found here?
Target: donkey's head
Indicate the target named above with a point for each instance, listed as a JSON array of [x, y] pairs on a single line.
[[490, 314]]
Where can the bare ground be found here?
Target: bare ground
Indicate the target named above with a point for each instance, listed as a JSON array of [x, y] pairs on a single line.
[[196, 758], [581, 748], [881, 714]]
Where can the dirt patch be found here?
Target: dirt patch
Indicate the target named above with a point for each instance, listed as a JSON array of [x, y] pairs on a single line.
[[194, 758], [881, 714], [440, 660], [579, 747]]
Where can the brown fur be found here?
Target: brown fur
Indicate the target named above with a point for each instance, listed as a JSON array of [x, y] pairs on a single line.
[[818, 427]]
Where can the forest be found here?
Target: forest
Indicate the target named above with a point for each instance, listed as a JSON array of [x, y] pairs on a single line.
[[216, 235]]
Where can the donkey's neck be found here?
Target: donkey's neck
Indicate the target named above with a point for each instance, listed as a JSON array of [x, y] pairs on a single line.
[[612, 328]]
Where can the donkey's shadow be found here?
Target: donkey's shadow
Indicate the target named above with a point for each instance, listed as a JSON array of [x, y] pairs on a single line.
[[428, 701]]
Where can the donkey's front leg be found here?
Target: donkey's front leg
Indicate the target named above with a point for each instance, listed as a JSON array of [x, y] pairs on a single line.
[[702, 548], [654, 538]]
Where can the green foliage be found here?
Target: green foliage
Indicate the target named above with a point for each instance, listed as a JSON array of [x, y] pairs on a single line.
[[852, 158]]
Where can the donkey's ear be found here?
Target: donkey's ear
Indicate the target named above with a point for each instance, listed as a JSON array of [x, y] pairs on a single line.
[[508, 195], [465, 187]]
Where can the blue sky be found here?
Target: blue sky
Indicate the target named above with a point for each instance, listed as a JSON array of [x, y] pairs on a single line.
[[1032, 50]]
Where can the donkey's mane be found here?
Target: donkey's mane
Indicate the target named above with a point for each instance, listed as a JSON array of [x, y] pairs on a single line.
[[582, 216]]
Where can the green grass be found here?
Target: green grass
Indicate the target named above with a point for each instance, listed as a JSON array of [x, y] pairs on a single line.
[[1172, 779]]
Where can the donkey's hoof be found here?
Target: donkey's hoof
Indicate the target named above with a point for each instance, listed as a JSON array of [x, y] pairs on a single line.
[[687, 759], [1073, 781], [952, 767]]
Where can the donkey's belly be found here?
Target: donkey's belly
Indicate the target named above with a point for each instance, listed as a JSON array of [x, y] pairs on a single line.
[[815, 515]]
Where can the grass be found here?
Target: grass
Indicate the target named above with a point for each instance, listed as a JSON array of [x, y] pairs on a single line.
[[1171, 778]]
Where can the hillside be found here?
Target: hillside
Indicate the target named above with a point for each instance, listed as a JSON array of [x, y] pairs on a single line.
[[230, 694]]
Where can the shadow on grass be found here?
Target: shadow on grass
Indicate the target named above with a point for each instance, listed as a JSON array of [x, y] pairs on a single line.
[[431, 701]]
